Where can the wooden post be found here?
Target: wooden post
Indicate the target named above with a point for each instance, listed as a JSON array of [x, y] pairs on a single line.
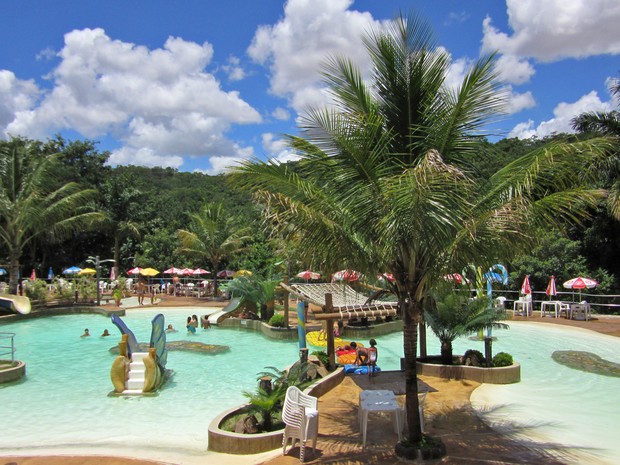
[[329, 331]]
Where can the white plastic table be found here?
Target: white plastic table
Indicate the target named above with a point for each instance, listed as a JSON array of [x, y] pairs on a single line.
[[379, 401], [556, 304]]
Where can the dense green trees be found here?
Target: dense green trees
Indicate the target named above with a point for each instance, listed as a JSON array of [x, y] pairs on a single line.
[[383, 183], [34, 204]]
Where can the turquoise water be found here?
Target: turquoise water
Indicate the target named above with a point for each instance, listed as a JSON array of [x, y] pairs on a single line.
[[63, 401]]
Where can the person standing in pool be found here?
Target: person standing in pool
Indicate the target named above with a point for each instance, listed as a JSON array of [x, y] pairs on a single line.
[[190, 325], [86, 333], [105, 333]]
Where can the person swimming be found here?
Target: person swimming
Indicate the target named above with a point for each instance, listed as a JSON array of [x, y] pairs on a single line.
[[86, 333], [105, 333], [170, 329], [190, 325]]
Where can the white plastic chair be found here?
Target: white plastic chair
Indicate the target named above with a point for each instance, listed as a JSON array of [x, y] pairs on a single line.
[[301, 419], [525, 303]]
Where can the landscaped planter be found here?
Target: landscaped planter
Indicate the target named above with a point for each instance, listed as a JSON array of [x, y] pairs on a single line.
[[240, 444], [496, 375], [12, 373]]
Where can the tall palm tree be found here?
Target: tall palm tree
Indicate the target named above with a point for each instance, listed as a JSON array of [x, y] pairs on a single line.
[[33, 202], [606, 123], [213, 235], [381, 187]]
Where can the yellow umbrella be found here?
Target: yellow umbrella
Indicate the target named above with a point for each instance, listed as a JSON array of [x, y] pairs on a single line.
[[149, 272], [242, 273], [84, 271]]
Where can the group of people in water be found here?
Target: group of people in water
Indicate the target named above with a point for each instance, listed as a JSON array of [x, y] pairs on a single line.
[[192, 323], [87, 333]]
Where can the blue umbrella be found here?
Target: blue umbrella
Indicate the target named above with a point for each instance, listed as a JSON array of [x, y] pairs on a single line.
[[72, 270], [3, 272], [50, 274]]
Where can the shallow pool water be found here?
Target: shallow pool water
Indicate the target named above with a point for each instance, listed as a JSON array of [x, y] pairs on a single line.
[[64, 400]]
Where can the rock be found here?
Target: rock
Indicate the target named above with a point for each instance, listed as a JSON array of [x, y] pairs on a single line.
[[586, 361], [247, 425]]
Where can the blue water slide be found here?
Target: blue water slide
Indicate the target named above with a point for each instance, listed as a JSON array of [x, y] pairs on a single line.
[[158, 340], [132, 342]]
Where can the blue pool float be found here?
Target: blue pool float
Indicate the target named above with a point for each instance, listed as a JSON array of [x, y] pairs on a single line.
[[359, 369]]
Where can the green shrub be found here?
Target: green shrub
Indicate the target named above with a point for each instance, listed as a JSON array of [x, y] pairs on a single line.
[[474, 358], [502, 359], [322, 356], [277, 320], [36, 290]]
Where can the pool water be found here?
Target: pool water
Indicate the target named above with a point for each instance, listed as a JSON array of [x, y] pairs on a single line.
[[63, 400]]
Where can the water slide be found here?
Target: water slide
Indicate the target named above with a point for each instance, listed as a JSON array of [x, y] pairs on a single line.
[[15, 303], [218, 316]]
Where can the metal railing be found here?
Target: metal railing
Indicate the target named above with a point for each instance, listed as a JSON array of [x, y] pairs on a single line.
[[11, 347], [608, 304]]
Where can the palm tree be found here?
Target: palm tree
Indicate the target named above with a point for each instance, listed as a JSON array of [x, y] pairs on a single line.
[[605, 123], [119, 200], [453, 313], [212, 235], [33, 202], [381, 188]]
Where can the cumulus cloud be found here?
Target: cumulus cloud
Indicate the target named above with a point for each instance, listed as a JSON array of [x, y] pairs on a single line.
[[516, 102], [514, 70], [554, 29], [277, 149], [562, 115], [297, 45], [16, 95], [161, 103], [281, 114], [233, 69]]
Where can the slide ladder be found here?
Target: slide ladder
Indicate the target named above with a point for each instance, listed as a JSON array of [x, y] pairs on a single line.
[[135, 377]]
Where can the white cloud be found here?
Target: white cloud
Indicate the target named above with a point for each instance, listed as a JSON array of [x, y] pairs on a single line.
[[514, 70], [562, 115], [161, 103], [553, 29], [233, 69], [281, 114], [516, 102], [278, 149], [16, 96], [296, 47]]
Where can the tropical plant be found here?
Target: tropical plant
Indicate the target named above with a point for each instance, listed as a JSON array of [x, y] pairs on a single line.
[[380, 186], [213, 235], [502, 359], [33, 203], [256, 290], [453, 313]]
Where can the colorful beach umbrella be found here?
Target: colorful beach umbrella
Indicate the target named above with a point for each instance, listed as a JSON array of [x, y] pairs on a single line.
[[225, 274], [525, 287], [72, 270], [245, 273], [33, 275], [87, 271], [112, 274], [580, 283], [187, 272], [149, 272], [134, 271], [3, 272], [307, 275], [551, 288]]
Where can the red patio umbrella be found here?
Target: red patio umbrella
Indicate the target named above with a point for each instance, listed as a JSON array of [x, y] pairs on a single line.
[[551, 289], [134, 271], [308, 275], [346, 275], [173, 270], [525, 287], [33, 275], [225, 274], [187, 272], [580, 283], [200, 271]]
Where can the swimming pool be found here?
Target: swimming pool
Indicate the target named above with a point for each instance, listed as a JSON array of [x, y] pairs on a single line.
[[63, 401]]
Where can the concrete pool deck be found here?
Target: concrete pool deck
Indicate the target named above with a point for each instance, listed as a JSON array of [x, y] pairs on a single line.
[[451, 417]]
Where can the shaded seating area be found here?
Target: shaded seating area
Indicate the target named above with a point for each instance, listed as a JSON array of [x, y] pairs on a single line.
[[339, 301]]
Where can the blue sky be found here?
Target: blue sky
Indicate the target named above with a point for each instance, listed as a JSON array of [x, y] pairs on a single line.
[[201, 84]]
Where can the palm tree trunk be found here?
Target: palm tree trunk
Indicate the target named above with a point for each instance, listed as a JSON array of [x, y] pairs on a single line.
[[13, 271], [446, 352], [411, 313]]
